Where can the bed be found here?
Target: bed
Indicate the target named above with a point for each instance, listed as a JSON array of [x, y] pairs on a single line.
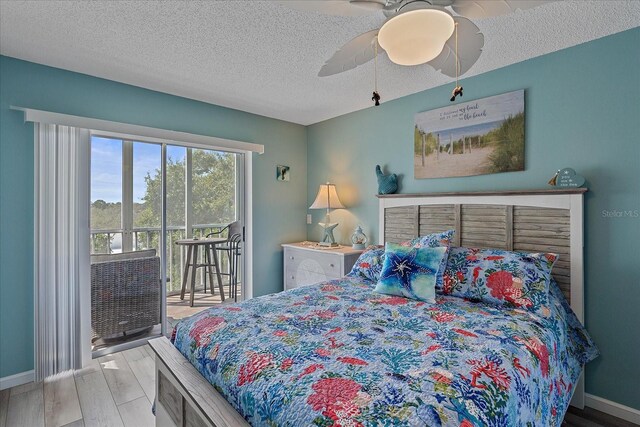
[[338, 354]]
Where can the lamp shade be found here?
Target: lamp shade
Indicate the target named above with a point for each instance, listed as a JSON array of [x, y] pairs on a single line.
[[416, 36], [327, 198]]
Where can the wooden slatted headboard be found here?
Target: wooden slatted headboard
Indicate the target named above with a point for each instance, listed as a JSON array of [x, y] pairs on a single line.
[[526, 221]]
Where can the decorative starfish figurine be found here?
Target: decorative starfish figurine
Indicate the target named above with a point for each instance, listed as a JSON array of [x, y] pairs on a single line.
[[328, 232]]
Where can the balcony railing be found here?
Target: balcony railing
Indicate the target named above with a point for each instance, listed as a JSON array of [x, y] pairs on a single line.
[[109, 241]]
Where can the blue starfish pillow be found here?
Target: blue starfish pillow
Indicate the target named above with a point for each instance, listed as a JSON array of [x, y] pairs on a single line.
[[411, 272]]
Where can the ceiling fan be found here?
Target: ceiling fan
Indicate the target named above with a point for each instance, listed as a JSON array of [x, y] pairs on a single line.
[[415, 32]]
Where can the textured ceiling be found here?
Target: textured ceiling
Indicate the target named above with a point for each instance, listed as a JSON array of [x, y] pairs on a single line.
[[262, 57]]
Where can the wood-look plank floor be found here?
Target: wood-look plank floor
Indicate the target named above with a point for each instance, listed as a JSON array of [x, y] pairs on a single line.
[[117, 390]]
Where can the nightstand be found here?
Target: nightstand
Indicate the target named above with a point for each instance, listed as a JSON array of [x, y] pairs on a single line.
[[306, 265]]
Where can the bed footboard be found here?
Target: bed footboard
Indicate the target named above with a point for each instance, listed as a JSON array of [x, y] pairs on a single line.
[[184, 397]]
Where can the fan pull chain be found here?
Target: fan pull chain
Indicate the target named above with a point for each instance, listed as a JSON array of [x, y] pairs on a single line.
[[457, 57], [458, 89], [376, 96], [375, 61]]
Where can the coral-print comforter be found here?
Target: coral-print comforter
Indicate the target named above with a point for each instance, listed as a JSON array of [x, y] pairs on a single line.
[[338, 354]]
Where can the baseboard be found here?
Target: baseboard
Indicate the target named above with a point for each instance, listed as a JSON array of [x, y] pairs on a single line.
[[612, 408], [17, 379]]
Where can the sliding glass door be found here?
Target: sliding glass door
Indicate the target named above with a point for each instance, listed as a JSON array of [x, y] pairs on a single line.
[[144, 197], [204, 196]]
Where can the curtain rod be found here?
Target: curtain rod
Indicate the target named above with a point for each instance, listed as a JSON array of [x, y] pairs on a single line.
[[40, 116]]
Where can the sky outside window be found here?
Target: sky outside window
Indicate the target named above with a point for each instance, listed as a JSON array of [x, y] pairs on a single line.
[[106, 169]]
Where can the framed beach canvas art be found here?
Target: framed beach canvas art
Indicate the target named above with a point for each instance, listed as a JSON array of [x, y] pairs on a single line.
[[471, 138]]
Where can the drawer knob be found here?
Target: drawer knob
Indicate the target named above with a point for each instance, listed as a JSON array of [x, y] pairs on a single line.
[[291, 257], [292, 277], [330, 265]]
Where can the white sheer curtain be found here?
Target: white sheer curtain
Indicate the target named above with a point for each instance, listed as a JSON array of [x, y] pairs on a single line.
[[62, 155]]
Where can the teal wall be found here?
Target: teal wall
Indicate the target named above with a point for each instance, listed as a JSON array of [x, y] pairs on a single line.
[[35, 86], [583, 111]]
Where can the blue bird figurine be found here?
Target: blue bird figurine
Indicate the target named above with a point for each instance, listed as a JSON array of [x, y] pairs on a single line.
[[387, 184]]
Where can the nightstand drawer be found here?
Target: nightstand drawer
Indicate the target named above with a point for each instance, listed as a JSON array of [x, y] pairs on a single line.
[[310, 261], [289, 282], [293, 257], [294, 280], [304, 265], [308, 273]]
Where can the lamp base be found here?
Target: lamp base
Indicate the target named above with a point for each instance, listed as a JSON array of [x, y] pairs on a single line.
[[328, 244], [328, 239]]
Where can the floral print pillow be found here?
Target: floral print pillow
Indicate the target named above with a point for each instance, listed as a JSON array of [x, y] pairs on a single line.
[[514, 279], [432, 240], [411, 272], [369, 263]]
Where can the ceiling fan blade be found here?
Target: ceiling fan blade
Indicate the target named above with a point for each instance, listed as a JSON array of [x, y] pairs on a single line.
[[478, 9], [335, 7], [356, 52], [470, 44]]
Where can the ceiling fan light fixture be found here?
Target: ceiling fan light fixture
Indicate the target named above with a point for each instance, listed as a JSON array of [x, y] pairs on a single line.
[[416, 36]]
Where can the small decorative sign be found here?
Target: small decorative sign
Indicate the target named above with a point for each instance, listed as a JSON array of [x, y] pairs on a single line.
[[567, 177]]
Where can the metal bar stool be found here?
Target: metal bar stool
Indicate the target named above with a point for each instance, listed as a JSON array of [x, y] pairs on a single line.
[[235, 233], [232, 247], [191, 263], [234, 261]]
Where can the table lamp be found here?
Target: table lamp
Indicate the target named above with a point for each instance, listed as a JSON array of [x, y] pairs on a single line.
[[327, 198]]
